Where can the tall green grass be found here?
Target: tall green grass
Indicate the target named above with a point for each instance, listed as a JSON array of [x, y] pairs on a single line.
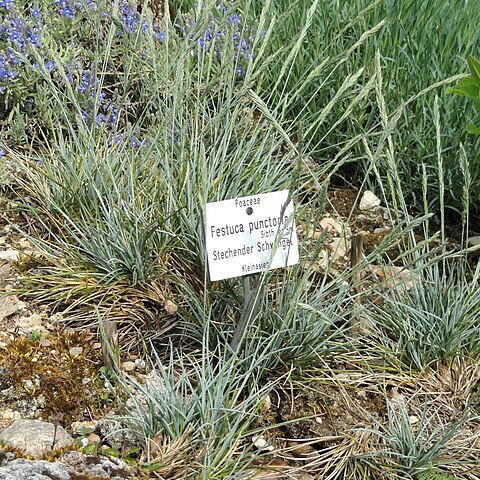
[[420, 43]]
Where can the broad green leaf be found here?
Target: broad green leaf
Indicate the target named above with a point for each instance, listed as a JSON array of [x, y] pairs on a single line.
[[474, 65], [471, 128], [132, 451], [112, 452], [467, 87], [90, 448]]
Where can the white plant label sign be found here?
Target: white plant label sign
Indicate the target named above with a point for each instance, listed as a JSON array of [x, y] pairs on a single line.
[[250, 234]]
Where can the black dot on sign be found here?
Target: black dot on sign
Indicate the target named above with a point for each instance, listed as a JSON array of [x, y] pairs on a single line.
[[249, 210]]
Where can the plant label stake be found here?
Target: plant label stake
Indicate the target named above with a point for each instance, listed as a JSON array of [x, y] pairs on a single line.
[[251, 287], [248, 235]]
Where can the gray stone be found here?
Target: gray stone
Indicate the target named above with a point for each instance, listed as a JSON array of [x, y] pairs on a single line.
[[76, 351], [332, 225], [35, 437], [22, 469], [114, 432], [473, 241], [97, 466], [128, 366]]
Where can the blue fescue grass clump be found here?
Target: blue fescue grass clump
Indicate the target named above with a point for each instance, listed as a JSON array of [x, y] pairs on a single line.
[[134, 123], [434, 321], [139, 130]]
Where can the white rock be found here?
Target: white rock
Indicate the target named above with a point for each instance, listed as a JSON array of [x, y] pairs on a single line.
[[80, 428], [338, 246], [332, 225], [322, 259], [10, 255], [473, 241], [140, 364], [35, 437], [314, 234], [76, 351], [262, 444], [413, 419], [129, 366], [369, 201], [21, 468], [395, 277], [266, 404], [24, 243], [170, 307], [9, 305], [30, 323], [93, 438]]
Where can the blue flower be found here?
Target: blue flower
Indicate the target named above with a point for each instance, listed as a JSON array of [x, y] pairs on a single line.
[[35, 12], [129, 22], [135, 142], [67, 11], [239, 70], [7, 4], [2, 152], [161, 36], [5, 72], [13, 58], [233, 19], [112, 119], [100, 119], [87, 83], [14, 35], [50, 65], [34, 38], [115, 139]]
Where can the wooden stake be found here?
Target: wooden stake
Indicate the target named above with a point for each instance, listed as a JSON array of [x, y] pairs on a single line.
[[251, 285], [359, 323], [356, 251], [109, 341]]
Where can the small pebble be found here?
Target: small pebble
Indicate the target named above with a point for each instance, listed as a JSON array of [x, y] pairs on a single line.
[[128, 366], [93, 438], [413, 419], [76, 351], [140, 364], [369, 201], [262, 444], [170, 307]]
